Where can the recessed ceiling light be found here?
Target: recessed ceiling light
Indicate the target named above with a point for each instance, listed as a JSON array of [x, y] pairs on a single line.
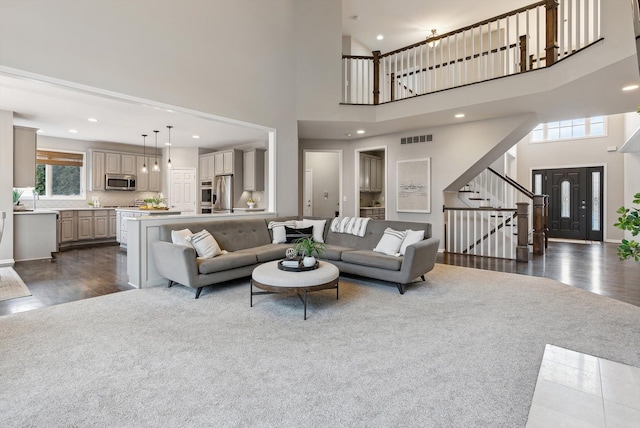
[[167, 144], [196, 136], [360, 131], [73, 131], [92, 119], [630, 87], [348, 134], [380, 37], [459, 116]]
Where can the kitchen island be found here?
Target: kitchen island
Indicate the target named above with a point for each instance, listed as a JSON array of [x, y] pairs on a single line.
[[35, 234], [126, 213]]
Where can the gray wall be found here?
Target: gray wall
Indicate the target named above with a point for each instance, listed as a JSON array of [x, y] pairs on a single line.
[[326, 178], [583, 152]]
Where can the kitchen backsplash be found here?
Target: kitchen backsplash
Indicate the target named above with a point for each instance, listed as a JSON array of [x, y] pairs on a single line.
[[113, 198]]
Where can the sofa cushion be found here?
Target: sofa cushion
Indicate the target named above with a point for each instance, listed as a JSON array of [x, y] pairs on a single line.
[[318, 227], [226, 262], [334, 252], [267, 253], [373, 259], [278, 231]]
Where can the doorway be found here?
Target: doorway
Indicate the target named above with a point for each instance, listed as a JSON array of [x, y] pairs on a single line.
[[575, 201], [322, 183], [371, 182]]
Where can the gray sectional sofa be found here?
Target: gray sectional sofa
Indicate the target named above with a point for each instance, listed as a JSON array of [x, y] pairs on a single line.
[[249, 243]]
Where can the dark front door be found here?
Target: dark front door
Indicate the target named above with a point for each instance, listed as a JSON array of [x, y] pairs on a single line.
[[575, 201]]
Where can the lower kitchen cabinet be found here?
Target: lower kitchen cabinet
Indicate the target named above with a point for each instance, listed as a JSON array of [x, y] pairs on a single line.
[[86, 227]]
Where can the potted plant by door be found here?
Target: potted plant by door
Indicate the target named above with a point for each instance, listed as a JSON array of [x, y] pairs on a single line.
[[308, 248]]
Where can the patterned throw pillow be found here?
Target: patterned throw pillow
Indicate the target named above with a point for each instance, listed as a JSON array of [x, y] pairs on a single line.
[[390, 242], [278, 232], [206, 245], [294, 234]]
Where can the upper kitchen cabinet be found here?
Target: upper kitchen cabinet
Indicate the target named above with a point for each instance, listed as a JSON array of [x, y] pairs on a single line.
[[97, 171], [24, 156], [206, 167], [147, 181], [228, 162], [371, 173], [116, 163], [253, 170]]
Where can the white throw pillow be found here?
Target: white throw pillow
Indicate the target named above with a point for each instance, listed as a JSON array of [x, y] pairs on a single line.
[[390, 242], [412, 236], [206, 245], [180, 237], [279, 234], [318, 228]]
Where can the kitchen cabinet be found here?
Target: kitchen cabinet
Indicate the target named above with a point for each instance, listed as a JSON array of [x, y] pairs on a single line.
[[123, 216], [67, 231], [155, 184], [128, 164], [112, 163], [371, 174], [100, 224], [253, 170], [34, 234], [228, 162], [113, 225], [85, 225], [97, 171], [24, 156], [374, 212], [207, 168], [142, 179]]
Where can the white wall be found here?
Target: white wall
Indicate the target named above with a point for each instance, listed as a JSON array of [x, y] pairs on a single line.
[[6, 185], [582, 152], [232, 59], [631, 184], [455, 149]]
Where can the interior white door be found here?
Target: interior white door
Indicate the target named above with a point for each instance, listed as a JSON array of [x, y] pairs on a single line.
[[183, 190], [308, 193]]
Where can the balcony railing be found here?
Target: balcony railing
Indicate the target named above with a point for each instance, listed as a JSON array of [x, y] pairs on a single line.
[[525, 39]]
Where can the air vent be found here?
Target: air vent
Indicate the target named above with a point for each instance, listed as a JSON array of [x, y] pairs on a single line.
[[416, 139]]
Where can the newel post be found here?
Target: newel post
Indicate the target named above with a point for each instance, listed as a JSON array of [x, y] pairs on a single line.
[[522, 251], [538, 224], [552, 32], [376, 77]]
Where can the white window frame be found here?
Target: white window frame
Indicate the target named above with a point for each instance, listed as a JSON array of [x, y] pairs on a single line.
[[28, 192], [587, 120]]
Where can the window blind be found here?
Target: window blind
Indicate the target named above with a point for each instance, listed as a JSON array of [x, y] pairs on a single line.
[[47, 157]]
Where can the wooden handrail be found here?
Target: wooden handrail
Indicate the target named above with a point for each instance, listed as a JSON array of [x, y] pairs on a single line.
[[478, 24], [478, 209], [357, 57], [514, 183]]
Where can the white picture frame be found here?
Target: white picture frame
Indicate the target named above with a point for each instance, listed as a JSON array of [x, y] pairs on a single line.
[[413, 185]]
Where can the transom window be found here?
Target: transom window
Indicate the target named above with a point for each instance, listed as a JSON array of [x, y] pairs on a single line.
[[570, 129]]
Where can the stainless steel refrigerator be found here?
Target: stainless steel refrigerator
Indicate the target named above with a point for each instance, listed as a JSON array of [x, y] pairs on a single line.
[[223, 187]]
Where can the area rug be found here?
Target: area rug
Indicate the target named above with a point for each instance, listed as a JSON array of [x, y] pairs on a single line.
[[11, 285], [462, 349]]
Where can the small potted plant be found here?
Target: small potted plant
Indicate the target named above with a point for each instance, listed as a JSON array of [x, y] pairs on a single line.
[[149, 202], [16, 199], [251, 203], [308, 248]]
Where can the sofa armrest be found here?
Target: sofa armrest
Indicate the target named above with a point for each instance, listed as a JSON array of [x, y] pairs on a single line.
[[176, 262], [419, 258]]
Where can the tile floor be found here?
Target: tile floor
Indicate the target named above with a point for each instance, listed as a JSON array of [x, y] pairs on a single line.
[[580, 390]]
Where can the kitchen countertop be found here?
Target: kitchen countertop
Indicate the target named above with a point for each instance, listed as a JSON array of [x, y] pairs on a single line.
[[36, 212], [153, 212], [249, 209], [370, 208]]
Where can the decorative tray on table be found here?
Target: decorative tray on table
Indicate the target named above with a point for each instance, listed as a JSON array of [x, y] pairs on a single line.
[[299, 268], [146, 208]]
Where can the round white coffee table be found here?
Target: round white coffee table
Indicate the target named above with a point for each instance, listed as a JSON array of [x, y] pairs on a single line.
[[269, 278]]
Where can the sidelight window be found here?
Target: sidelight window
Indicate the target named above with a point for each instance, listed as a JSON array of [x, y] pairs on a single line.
[[595, 201], [565, 198]]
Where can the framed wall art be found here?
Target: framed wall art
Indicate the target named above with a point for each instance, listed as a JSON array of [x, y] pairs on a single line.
[[413, 181]]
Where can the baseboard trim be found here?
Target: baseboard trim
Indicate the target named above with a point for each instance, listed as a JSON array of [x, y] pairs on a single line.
[[7, 262]]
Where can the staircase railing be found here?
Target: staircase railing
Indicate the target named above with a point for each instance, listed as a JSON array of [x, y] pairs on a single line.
[[529, 38]]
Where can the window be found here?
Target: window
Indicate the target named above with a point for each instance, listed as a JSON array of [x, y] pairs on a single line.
[[59, 175], [569, 129]]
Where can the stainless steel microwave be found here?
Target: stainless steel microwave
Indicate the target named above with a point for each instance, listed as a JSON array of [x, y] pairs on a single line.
[[120, 182]]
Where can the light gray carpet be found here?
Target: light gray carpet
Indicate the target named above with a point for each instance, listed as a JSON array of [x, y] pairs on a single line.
[[461, 350], [11, 285]]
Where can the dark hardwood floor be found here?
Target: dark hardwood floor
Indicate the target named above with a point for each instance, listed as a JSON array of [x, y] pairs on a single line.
[[76, 274], [594, 267], [90, 272]]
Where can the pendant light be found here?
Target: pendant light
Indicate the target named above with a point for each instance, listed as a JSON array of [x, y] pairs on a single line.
[[169, 144], [156, 167], [144, 157]]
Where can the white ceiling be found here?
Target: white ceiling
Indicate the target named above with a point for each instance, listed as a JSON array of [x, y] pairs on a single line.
[[55, 110]]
